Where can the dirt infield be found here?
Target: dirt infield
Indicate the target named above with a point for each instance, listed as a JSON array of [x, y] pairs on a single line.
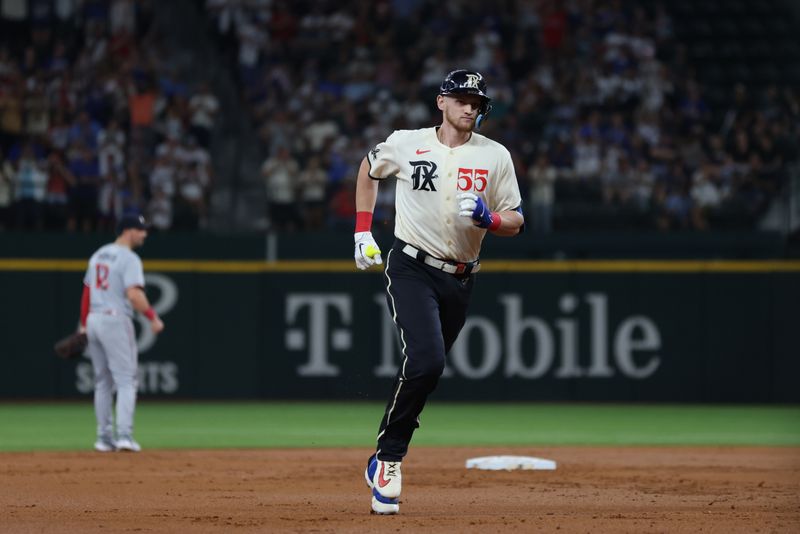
[[678, 489]]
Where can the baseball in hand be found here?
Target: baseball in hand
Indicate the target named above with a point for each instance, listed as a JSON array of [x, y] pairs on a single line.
[[371, 251]]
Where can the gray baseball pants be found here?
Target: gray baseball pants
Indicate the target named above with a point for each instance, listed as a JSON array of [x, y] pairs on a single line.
[[112, 349]]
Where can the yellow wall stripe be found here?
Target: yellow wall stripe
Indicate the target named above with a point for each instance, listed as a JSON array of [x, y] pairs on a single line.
[[488, 266]]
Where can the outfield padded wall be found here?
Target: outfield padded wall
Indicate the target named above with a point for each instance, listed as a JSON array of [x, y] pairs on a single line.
[[693, 331]]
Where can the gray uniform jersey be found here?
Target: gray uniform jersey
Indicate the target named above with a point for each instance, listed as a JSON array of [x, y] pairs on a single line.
[[430, 175], [112, 340], [112, 270]]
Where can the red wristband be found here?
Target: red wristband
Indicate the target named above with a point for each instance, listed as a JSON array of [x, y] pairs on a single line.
[[363, 221], [150, 313], [496, 222]]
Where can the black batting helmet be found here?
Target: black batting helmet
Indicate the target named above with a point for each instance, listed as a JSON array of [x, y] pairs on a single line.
[[468, 82]]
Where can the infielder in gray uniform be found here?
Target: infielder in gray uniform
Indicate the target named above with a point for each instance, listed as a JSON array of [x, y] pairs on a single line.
[[112, 289], [453, 187]]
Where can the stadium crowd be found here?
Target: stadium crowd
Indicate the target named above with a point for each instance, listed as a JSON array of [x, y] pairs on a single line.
[[595, 99], [94, 123]]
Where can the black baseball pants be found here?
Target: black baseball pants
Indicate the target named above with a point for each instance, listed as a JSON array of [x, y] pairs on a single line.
[[429, 307]]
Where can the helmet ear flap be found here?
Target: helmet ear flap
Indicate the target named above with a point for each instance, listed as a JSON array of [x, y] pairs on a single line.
[[482, 114]]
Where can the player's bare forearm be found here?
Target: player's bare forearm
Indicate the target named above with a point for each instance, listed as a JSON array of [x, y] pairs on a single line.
[[142, 305], [366, 189], [138, 299], [511, 222]]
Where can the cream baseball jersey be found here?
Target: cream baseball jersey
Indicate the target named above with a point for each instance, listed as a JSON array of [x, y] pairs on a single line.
[[112, 270], [430, 175]]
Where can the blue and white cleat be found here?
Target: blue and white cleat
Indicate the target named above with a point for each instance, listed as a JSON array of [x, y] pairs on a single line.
[[369, 472], [383, 506], [383, 478]]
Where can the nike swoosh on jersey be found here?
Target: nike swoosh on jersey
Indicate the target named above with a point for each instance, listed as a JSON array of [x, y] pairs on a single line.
[[422, 151]]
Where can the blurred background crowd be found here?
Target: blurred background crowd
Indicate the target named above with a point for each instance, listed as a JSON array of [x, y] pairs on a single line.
[[255, 114]]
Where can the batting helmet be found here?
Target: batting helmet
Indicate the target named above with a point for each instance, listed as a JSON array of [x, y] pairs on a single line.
[[468, 82]]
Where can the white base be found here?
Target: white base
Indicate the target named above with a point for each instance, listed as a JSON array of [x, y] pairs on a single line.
[[508, 463]]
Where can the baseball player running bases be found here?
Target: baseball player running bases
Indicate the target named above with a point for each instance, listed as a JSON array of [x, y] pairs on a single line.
[[113, 288], [453, 186]]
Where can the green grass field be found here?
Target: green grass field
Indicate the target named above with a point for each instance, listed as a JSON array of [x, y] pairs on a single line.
[[70, 426]]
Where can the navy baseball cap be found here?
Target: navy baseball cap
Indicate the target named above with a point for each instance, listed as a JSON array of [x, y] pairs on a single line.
[[131, 221]]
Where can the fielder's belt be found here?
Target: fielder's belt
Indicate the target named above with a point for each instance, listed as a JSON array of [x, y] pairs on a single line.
[[452, 267]]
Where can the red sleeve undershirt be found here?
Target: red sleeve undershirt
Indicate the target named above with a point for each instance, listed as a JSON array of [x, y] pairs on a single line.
[[84, 305]]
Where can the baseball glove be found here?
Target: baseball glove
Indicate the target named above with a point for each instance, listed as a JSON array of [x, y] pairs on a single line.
[[71, 346]]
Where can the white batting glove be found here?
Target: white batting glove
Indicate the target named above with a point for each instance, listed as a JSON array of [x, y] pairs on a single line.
[[367, 251], [467, 202]]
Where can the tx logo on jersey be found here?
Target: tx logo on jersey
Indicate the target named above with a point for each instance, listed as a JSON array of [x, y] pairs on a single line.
[[374, 152], [423, 175]]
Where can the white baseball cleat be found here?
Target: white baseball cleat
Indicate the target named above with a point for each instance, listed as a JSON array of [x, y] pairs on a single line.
[[127, 443], [386, 479], [104, 445], [380, 504], [384, 506]]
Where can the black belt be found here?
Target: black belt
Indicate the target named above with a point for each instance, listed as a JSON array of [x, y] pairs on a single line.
[[452, 267]]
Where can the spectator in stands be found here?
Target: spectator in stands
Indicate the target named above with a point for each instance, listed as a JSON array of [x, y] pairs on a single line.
[[312, 182], [616, 179], [122, 17], [693, 108], [37, 114], [163, 176], [7, 178], [172, 151], [111, 142], [675, 208], [706, 195], [342, 206], [170, 125], [691, 149], [84, 131], [322, 129], [142, 99], [384, 206], [771, 171], [58, 133], [193, 154], [83, 165], [587, 163], [11, 90], [251, 41], [159, 210], [640, 191], [30, 186], [541, 193], [59, 184], [198, 157], [747, 196], [203, 107], [280, 174], [112, 192], [189, 204]]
